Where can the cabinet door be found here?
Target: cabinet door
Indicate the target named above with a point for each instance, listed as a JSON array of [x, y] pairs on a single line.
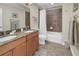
[[36, 43], [9, 53], [20, 50], [32, 44], [29, 47]]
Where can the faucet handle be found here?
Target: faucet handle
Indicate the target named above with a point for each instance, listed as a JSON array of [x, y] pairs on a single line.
[[22, 30], [28, 27]]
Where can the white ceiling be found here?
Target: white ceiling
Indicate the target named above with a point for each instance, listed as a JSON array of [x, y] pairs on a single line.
[[49, 5]]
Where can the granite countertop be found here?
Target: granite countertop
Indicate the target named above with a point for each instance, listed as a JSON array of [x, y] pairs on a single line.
[[18, 35]]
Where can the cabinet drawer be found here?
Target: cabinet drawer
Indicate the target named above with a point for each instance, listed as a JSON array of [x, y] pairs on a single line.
[[9, 53], [11, 45], [30, 36], [35, 34]]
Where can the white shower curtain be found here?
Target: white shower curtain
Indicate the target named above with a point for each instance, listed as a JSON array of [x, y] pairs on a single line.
[[42, 26], [73, 31], [70, 34]]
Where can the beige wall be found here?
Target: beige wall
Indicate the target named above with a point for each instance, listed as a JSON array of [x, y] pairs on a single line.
[[66, 17], [34, 17]]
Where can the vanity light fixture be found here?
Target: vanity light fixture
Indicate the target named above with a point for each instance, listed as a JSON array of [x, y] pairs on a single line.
[[51, 3]]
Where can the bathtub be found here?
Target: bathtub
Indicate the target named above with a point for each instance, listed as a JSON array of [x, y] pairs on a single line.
[[55, 37]]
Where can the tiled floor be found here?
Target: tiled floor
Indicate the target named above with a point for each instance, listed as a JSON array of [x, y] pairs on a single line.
[[52, 49]]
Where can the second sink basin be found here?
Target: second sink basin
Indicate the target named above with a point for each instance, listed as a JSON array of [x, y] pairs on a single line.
[[29, 31], [7, 38]]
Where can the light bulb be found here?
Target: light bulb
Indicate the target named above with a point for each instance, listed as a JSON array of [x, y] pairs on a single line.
[[51, 3]]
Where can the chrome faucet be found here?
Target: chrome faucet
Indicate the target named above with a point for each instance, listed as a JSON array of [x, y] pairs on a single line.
[[27, 27]]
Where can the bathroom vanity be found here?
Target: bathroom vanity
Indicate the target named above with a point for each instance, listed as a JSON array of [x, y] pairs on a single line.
[[24, 44]]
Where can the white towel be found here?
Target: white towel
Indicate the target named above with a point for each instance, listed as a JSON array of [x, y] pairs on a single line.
[[75, 32], [78, 33], [70, 33]]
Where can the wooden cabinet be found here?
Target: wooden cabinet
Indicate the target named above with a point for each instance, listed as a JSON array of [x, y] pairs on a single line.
[[20, 50], [15, 48], [9, 53], [32, 43], [23, 46]]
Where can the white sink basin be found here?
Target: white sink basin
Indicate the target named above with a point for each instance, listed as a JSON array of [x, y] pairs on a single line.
[[7, 38], [29, 31]]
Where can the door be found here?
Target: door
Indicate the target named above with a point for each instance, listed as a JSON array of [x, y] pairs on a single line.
[[27, 19], [20, 50], [1, 19]]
